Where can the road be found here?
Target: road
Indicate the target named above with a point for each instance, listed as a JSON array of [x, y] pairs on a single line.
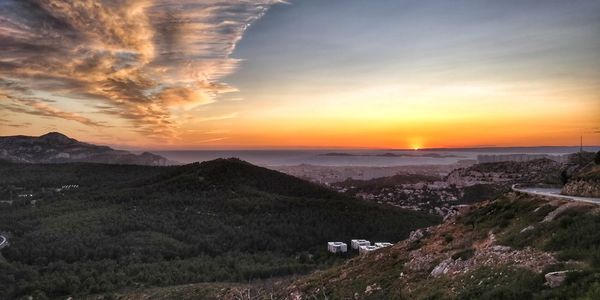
[[554, 193], [3, 241]]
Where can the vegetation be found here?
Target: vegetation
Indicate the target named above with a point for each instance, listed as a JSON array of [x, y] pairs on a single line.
[[135, 226], [479, 192], [405, 271]]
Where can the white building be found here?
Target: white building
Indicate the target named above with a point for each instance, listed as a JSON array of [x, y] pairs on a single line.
[[337, 247], [383, 244], [367, 249], [357, 243]]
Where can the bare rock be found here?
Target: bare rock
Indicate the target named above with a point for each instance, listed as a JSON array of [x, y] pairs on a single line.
[[442, 268], [557, 212], [555, 279], [530, 227], [416, 235], [499, 248], [372, 288], [295, 295], [420, 261], [582, 188]]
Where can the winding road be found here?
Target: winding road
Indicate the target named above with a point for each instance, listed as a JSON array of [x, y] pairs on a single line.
[[3, 241], [554, 193]]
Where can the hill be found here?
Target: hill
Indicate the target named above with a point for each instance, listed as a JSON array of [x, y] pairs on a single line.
[[55, 147], [385, 182], [504, 249], [515, 247], [538, 171], [462, 186], [89, 228]]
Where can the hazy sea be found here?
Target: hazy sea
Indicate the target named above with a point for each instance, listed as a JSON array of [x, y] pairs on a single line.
[[353, 157]]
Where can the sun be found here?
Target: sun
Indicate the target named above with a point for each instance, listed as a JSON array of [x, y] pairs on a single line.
[[415, 143]]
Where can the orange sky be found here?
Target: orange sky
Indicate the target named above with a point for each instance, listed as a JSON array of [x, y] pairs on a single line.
[[151, 75]]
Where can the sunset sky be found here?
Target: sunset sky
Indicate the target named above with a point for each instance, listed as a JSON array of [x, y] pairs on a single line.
[[184, 74]]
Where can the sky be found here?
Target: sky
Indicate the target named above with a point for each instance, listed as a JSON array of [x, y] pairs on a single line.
[[206, 74]]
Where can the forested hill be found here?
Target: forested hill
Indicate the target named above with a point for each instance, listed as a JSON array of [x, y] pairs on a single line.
[[234, 174], [90, 228]]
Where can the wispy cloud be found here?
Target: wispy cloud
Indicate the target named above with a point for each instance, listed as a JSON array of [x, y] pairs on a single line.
[[42, 109], [217, 118], [135, 60]]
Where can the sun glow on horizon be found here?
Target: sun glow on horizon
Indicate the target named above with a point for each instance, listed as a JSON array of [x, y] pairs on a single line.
[[353, 75]]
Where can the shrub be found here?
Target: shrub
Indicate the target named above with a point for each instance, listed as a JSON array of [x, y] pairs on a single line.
[[464, 254], [448, 237]]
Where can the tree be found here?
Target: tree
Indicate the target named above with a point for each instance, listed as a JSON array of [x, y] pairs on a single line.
[[564, 177], [597, 158]]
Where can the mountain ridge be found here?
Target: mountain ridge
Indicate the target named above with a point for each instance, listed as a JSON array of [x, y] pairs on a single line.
[[55, 147]]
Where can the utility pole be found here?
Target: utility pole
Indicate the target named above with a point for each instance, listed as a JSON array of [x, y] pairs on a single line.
[[581, 144]]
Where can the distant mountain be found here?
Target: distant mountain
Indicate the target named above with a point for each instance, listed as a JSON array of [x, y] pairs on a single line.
[[55, 147]]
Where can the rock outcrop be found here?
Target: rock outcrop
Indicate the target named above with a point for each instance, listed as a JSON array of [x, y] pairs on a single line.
[[555, 279], [582, 188], [537, 171]]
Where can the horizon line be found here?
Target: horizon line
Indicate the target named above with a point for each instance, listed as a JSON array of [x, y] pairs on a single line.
[[362, 148]]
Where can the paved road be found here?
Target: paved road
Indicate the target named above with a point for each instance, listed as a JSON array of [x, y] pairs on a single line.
[[3, 241], [555, 193]]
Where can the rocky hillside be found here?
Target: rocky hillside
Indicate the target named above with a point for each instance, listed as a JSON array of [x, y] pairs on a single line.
[[539, 171], [516, 247], [585, 181], [55, 147]]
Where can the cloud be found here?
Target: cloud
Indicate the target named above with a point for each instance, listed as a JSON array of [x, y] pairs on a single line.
[[212, 140], [18, 125], [136, 60], [6, 122], [42, 109], [593, 130], [218, 118]]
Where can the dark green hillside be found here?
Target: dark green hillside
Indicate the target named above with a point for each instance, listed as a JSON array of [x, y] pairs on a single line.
[[134, 226], [85, 174], [234, 174]]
